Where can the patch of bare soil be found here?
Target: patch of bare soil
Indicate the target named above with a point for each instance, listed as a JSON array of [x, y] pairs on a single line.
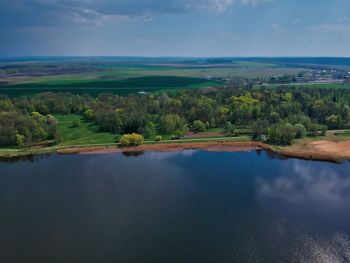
[[324, 150], [204, 134], [341, 148]]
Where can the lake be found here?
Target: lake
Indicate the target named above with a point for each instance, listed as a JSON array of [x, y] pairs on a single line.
[[190, 206]]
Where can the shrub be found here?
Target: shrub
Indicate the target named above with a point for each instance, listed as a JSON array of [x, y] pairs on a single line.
[[150, 130], [38, 117], [76, 122], [89, 114], [171, 122], [50, 120], [133, 139], [230, 129], [117, 138], [158, 138], [300, 131], [20, 139], [282, 134], [177, 134], [198, 126], [323, 129], [259, 129]]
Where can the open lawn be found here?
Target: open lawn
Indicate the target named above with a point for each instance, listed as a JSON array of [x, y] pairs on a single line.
[[87, 133]]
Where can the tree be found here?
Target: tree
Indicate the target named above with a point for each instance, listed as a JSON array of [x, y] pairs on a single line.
[[7, 128], [274, 117], [171, 122], [133, 139], [38, 117], [300, 131], [51, 120], [20, 139], [281, 134], [150, 130], [334, 121], [259, 129], [198, 126], [89, 114]]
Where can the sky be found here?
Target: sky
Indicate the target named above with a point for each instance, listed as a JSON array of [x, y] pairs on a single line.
[[194, 28]]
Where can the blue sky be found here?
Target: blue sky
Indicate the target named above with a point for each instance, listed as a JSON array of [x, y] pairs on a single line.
[[175, 27]]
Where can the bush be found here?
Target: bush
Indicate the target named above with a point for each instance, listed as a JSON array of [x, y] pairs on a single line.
[[300, 131], [198, 126], [316, 129], [178, 134], [76, 122], [89, 114], [150, 130], [282, 134], [20, 139], [50, 120], [230, 129], [158, 138], [259, 129], [323, 129], [133, 139], [171, 122], [117, 138]]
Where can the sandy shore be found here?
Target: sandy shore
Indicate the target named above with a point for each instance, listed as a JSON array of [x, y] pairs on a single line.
[[323, 150]]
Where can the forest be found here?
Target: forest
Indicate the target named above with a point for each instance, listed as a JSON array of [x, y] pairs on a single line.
[[275, 115]]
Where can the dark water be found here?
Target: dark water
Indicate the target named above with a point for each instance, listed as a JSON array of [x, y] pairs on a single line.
[[174, 207]]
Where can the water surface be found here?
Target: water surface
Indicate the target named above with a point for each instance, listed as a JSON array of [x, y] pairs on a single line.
[[192, 206]]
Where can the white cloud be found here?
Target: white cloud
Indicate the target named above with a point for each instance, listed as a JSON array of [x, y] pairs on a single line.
[[308, 184], [255, 2], [64, 12]]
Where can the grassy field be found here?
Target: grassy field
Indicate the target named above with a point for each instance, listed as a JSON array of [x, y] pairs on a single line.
[[87, 133]]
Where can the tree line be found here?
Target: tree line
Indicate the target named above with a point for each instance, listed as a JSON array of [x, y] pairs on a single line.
[[278, 115]]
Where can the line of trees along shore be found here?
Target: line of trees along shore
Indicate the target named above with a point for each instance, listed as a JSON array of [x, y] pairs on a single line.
[[276, 114]]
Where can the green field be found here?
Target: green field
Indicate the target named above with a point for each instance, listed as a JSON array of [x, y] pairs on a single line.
[[97, 86], [132, 78]]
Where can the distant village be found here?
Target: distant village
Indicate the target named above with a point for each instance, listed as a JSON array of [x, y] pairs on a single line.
[[308, 76], [324, 76]]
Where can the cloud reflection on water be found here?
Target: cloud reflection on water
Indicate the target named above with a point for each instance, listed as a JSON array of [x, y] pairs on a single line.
[[304, 183]]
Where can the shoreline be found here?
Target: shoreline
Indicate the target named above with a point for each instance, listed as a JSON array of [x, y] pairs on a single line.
[[172, 147], [294, 151], [211, 147]]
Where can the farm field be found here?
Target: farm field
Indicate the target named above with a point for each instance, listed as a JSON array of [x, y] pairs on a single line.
[[125, 78]]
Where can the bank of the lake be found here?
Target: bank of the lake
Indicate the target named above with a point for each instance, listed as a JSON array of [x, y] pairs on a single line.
[[331, 150]]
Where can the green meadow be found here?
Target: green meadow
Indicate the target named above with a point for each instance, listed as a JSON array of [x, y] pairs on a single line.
[[86, 133]]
